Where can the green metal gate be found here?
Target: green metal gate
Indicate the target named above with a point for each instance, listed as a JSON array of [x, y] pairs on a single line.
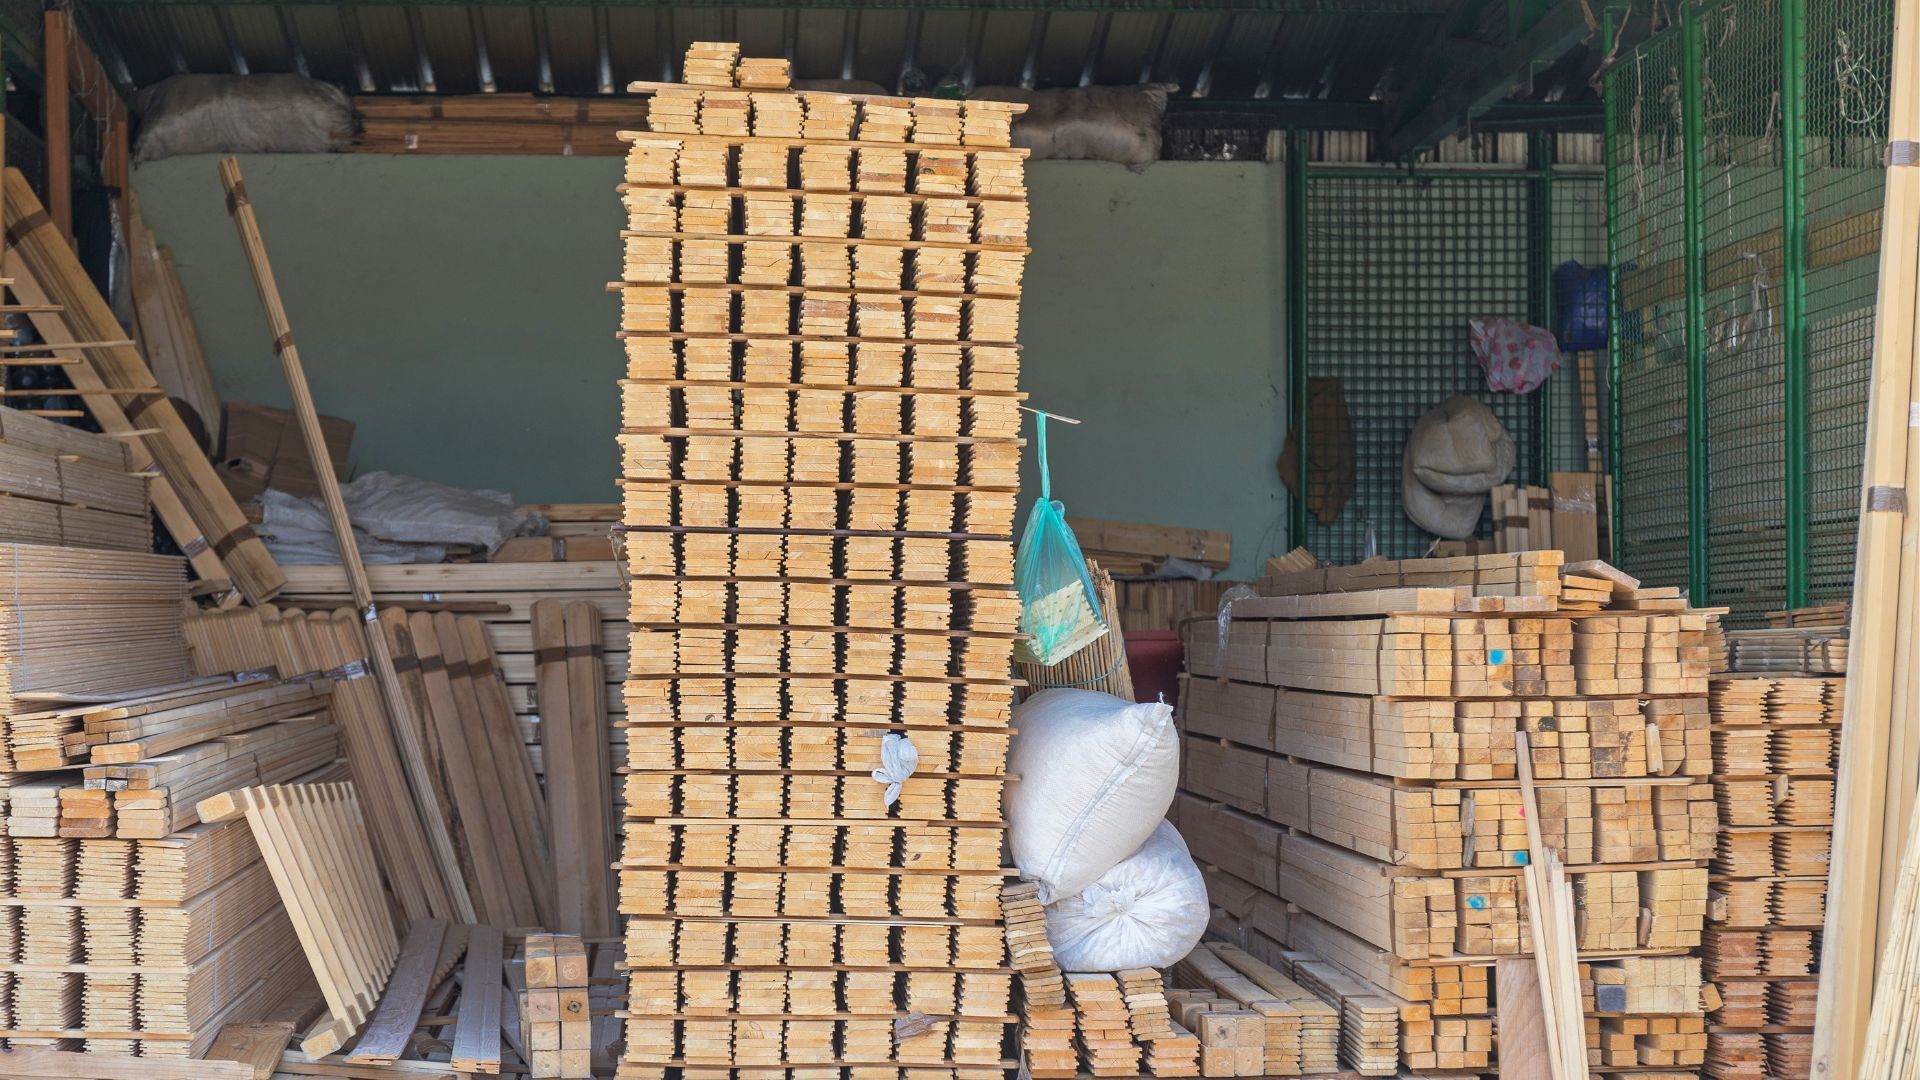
[[1392, 264], [1743, 193]]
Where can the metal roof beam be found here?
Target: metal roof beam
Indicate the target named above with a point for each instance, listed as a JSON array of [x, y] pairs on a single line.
[[1251, 7], [1472, 87]]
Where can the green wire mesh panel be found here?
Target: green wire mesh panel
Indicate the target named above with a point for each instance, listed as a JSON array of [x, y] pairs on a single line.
[[1647, 242], [1849, 62], [1742, 201], [1577, 394], [1396, 265]]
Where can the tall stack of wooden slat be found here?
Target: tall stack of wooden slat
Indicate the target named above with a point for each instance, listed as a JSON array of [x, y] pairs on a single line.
[[820, 452], [64, 487], [125, 926], [1352, 753], [1776, 747]]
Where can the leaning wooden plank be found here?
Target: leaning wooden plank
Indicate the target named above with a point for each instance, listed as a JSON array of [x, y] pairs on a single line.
[[256, 1044], [1880, 666], [168, 505], [561, 756], [315, 844], [586, 670], [178, 364], [47, 259], [33, 1063], [519, 785], [399, 706], [1524, 1053], [388, 1033], [476, 1025]]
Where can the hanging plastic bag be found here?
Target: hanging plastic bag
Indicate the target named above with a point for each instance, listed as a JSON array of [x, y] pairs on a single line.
[[1516, 357], [1058, 606], [1580, 306]]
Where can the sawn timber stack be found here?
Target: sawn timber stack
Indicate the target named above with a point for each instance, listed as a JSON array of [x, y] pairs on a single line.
[[820, 452]]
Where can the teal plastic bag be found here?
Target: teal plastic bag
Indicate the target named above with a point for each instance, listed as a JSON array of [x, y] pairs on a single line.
[[1058, 606]]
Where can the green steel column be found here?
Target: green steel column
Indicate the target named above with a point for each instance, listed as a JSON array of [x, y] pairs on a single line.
[[1793, 255], [1540, 297], [1296, 291], [1610, 135], [1697, 475]]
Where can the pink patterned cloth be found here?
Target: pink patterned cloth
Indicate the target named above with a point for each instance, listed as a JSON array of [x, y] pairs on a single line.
[[1516, 357]]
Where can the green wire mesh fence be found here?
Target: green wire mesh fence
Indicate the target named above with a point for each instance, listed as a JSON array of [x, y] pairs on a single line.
[[1396, 265], [1785, 96]]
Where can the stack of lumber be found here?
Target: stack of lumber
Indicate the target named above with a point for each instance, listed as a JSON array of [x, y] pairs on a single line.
[[1280, 1028], [569, 520], [64, 487], [1776, 746], [556, 1022], [501, 596], [1164, 605], [819, 487], [1135, 549], [66, 309], [1811, 650], [494, 124], [1563, 516], [125, 927], [1352, 753], [482, 782]]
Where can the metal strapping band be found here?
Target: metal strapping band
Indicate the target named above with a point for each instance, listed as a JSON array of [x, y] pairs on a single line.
[[1883, 498], [19, 229], [370, 616], [482, 667], [405, 663], [556, 653], [224, 546], [352, 669], [194, 546], [236, 196], [283, 343], [457, 670], [1902, 152]]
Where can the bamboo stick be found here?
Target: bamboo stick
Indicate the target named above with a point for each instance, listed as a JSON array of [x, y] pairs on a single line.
[[399, 707], [1879, 663], [1101, 665]]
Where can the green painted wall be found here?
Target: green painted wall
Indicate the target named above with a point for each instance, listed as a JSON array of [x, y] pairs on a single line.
[[453, 308]]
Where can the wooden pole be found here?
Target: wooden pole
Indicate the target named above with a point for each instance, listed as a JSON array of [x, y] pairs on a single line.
[[1880, 668], [58, 116], [399, 707]]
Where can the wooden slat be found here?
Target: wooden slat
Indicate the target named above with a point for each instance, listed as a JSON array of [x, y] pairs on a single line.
[[388, 1033], [476, 1028]]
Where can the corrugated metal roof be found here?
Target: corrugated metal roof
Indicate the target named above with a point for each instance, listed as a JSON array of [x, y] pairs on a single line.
[[1229, 50]]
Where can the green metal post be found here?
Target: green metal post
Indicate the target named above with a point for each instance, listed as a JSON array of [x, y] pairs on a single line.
[[1296, 300], [1793, 255], [1540, 299], [1696, 277], [1611, 18]]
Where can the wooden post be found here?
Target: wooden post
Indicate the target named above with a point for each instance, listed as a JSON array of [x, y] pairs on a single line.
[[406, 726], [58, 117], [1880, 665]]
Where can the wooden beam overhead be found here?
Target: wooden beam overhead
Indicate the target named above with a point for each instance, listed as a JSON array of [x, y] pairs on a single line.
[[1476, 85]]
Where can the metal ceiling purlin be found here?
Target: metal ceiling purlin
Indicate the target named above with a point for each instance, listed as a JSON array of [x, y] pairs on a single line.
[[1481, 84]]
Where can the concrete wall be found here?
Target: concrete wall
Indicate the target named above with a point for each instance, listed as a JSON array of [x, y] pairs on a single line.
[[453, 307]]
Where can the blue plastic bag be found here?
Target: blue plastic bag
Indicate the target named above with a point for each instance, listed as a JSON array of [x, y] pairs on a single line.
[[1058, 606], [1580, 306]]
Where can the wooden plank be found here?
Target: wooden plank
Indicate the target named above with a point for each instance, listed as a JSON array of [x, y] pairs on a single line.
[[257, 1044], [399, 706], [1881, 701], [33, 1063], [1524, 1054], [387, 1034], [519, 785], [476, 1028], [46, 258]]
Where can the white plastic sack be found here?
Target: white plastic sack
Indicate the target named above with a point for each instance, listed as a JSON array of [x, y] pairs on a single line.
[[1096, 774], [392, 506], [1088, 123], [241, 114], [1148, 911]]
